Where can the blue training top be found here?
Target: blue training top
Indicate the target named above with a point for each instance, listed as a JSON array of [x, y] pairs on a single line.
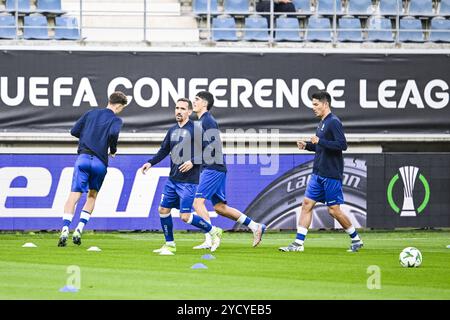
[[97, 130], [179, 142], [213, 157], [328, 160]]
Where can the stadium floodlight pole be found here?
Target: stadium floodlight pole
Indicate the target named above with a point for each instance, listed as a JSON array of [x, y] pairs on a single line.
[[145, 20]]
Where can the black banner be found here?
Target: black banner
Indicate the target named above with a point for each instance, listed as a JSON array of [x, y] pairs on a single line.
[[373, 93], [408, 190]]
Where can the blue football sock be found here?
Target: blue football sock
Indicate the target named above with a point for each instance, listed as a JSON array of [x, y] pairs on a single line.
[[200, 223], [167, 226]]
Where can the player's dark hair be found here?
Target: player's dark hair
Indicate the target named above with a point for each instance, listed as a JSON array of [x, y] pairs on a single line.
[[205, 95], [322, 96], [187, 101], [118, 98]]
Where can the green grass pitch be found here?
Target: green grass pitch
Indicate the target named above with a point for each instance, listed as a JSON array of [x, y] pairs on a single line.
[[126, 268]]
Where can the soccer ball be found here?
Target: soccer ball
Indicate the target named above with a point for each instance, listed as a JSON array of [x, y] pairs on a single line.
[[410, 257]]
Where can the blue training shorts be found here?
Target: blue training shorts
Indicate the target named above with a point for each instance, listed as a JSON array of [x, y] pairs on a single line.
[[325, 190], [212, 186], [179, 195], [88, 174]]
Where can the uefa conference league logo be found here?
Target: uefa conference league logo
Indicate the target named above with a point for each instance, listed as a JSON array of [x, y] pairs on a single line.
[[409, 178]]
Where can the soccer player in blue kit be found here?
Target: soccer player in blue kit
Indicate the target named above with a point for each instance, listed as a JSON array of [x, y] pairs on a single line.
[[97, 131], [179, 191], [214, 172], [325, 184]]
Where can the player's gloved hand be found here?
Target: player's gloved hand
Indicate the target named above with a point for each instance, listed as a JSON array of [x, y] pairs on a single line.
[[186, 166], [145, 167]]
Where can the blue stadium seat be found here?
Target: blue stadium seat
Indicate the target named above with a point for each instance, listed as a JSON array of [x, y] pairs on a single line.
[[287, 29], [201, 6], [349, 29], [326, 7], [224, 22], [360, 7], [35, 27], [7, 26], [49, 6], [252, 24], [420, 8], [66, 28], [236, 6], [315, 30], [440, 30], [379, 29], [303, 6], [407, 32], [444, 8], [24, 6], [390, 7]]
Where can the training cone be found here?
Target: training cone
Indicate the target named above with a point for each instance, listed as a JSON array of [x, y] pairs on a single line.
[[199, 266], [68, 289], [94, 249], [166, 252], [208, 257], [29, 245]]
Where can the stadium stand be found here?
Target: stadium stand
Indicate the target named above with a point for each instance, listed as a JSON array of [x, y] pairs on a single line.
[[36, 27], [411, 30], [49, 7], [319, 29], [23, 6], [66, 28], [287, 29], [201, 6], [224, 28], [236, 6], [390, 7], [360, 7], [440, 30], [256, 28], [422, 8], [349, 29], [444, 8], [379, 29], [7, 26], [329, 7], [303, 7]]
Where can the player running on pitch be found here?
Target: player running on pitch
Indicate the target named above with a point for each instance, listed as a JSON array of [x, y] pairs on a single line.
[[179, 191], [214, 173], [97, 131], [325, 184]]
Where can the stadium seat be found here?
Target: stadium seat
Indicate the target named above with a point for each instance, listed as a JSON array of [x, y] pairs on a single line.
[[236, 6], [66, 28], [444, 8], [287, 29], [201, 6], [326, 7], [49, 6], [256, 28], [224, 22], [35, 27], [420, 8], [24, 6], [407, 32], [319, 29], [379, 29], [360, 7], [303, 6], [389, 7], [349, 29], [7, 26], [440, 30]]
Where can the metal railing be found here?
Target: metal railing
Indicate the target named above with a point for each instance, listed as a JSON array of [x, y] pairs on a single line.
[[206, 17]]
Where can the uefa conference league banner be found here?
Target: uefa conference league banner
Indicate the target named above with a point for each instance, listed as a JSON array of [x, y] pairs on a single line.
[[380, 191], [372, 93]]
